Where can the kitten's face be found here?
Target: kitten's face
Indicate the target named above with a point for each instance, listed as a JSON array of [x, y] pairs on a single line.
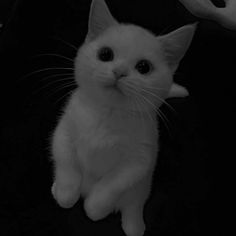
[[125, 63]]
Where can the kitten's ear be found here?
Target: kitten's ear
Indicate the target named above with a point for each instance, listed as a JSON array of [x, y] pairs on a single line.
[[176, 44], [100, 19], [177, 91]]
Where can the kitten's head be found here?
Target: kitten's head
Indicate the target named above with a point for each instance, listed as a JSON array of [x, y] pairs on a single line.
[[125, 64]]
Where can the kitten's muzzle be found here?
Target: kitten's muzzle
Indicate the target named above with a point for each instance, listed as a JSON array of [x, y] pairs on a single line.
[[115, 83], [120, 72]]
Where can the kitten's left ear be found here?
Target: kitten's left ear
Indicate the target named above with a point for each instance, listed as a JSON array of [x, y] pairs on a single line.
[[100, 19], [177, 91], [176, 43]]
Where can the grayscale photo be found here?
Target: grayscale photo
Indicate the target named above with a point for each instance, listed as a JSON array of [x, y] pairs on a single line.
[[116, 116]]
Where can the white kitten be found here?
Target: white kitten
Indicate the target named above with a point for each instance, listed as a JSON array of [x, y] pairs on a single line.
[[106, 143]]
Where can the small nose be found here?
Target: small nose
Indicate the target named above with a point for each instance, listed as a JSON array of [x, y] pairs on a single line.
[[120, 72]]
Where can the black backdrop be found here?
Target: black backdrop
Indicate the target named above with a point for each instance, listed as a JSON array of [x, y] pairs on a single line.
[[189, 181]]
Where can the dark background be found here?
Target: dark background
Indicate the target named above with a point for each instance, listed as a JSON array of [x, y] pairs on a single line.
[[189, 195]]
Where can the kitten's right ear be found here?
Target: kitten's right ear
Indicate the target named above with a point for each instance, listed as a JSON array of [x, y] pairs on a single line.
[[100, 19]]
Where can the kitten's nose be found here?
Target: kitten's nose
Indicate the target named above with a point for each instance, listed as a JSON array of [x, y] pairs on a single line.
[[120, 72]]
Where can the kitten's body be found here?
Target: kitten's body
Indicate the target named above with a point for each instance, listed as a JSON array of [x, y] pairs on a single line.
[[105, 137], [106, 143]]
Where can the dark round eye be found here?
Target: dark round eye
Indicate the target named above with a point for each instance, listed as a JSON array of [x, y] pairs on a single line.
[[144, 66], [105, 54]]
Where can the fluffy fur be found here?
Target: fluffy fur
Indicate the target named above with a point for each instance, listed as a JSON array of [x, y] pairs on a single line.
[[106, 143]]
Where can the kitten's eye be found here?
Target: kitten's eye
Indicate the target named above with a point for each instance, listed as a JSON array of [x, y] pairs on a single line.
[[144, 66], [105, 54]]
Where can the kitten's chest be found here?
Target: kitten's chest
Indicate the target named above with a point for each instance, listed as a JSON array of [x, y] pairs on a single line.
[[98, 152], [101, 141], [104, 143]]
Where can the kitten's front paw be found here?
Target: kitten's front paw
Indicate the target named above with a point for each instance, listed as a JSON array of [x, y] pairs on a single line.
[[66, 196], [98, 205], [132, 228]]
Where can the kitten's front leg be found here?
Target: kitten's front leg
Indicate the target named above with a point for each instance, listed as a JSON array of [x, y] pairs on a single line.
[[132, 219], [109, 189], [66, 187]]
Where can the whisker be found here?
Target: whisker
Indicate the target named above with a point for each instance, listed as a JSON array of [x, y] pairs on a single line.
[[139, 103], [56, 75], [66, 43], [147, 112], [46, 69], [61, 88], [160, 99], [64, 86], [164, 119], [143, 98], [55, 55], [161, 115], [136, 104], [148, 101], [69, 79], [158, 89], [158, 111], [152, 88], [65, 95]]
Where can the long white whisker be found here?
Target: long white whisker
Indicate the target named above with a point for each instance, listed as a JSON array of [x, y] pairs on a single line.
[[149, 115], [57, 75], [143, 98], [47, 69], [69, 85], [160, 114], [136, 102], [55, 55], [148, 101], [60, 88], [164, 119], [160, 99], [67, 43], [157, 89], [69, 79], [158, 111], [65, 95], [139, 107]]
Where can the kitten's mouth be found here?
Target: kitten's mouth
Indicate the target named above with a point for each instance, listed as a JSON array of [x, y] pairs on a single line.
[[114, 86]]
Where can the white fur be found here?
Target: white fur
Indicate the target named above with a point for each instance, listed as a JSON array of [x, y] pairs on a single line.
[[106, 143]]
